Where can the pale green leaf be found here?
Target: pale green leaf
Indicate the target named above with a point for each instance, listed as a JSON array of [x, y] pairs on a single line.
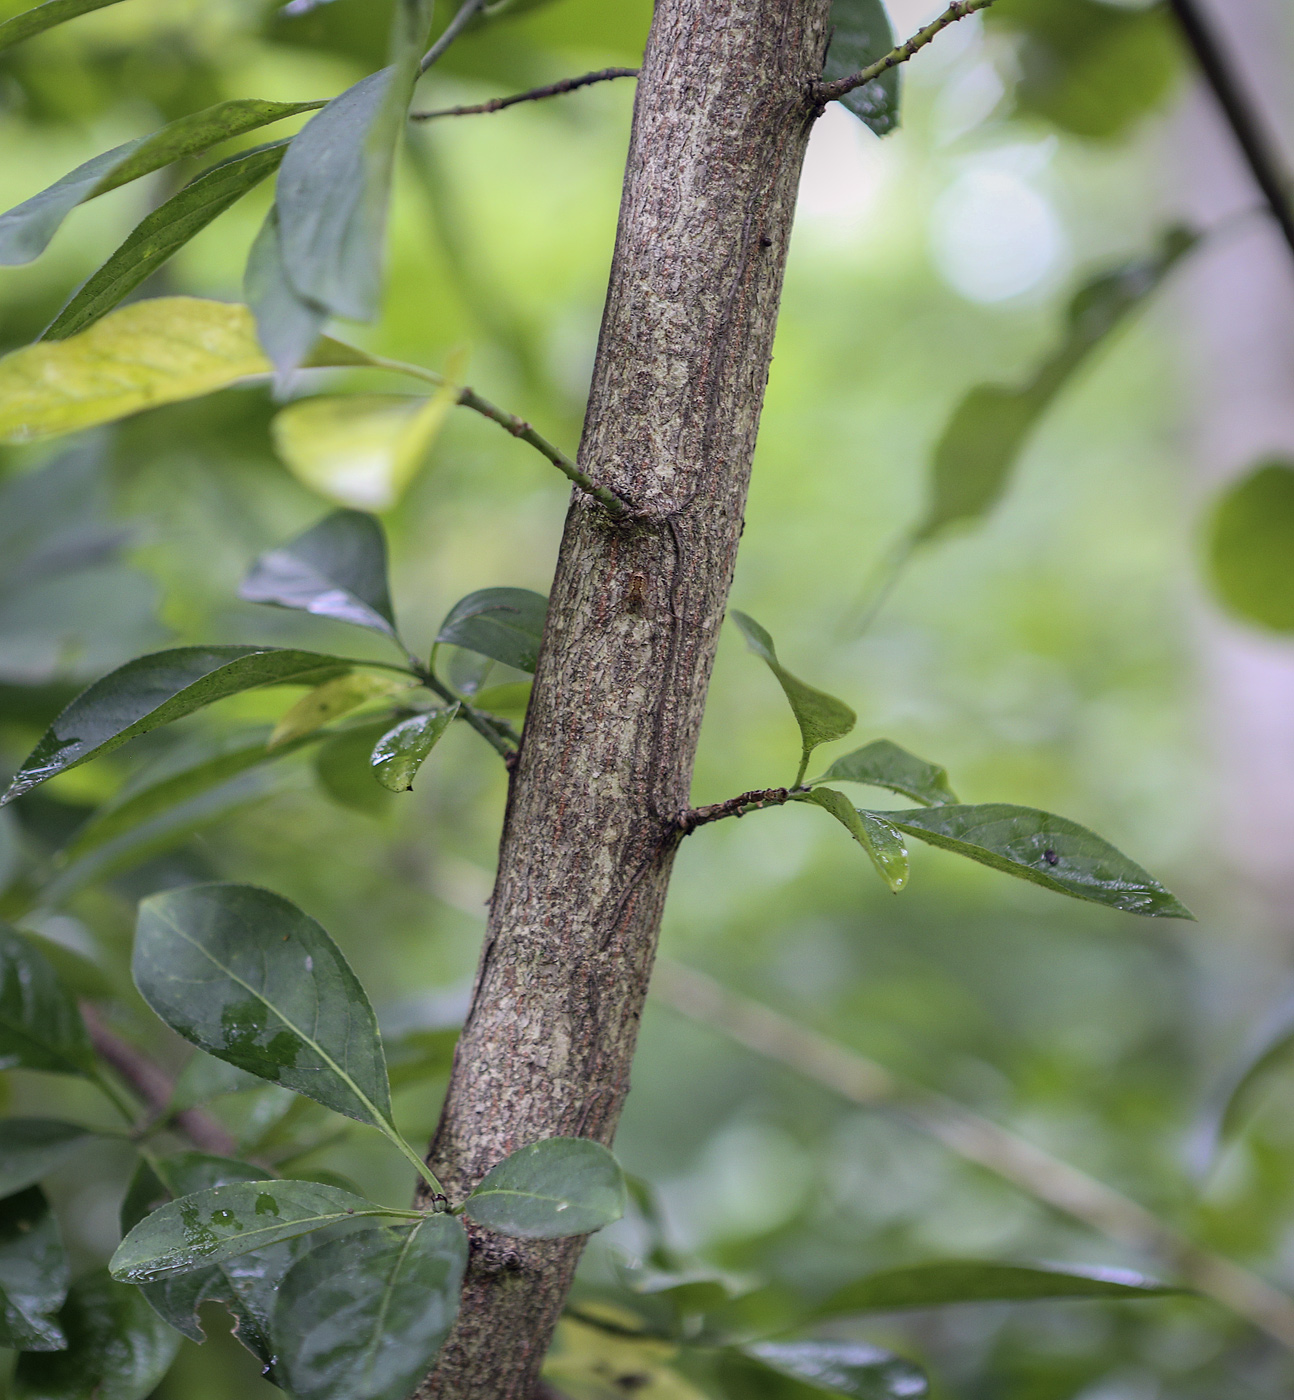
[[331, 701], [42, 17], [873, 833], [1251, 546]]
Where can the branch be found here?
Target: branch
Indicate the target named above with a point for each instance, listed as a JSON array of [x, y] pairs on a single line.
[[979, 1140], [1252, 136], [154, 1086], [959, 9], [733, 807], [497, 104]]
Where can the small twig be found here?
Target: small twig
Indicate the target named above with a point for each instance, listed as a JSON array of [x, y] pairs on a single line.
[[154, 1086], [466, 14], [976, 1139], [959, 9], [734, 807], [1252, 136], [497, 104]]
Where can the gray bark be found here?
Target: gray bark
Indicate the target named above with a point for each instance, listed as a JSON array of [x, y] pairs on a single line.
[[721, 121]]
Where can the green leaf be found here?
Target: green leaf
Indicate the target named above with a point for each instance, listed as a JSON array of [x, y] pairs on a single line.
[[362, 450], [223, 1222], [885, 765], [872, 832], [989, 429], [860, 35], [1251, 544], [401, 751], [1050, 851], [161, 234], [331, 701], [336, 569], [551, 1189], [33, 1274], [26, 230], [142, 355], [366, 1316], [505, 624], [40, 1027], [118, 1349], [31, 1148], [821, 717], [1267, 1054], [419, 1055], [842, 1368], [344, 768], [246, 976], [287, 325], [976, 1281], [155, 690], [42, 17]]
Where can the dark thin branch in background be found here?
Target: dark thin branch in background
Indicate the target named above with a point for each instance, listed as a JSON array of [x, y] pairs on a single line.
[[497, 104], [1254, 139]]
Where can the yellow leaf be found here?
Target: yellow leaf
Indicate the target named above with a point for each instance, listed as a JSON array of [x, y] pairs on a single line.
[[363, 450], [587, 1363], [330, 701]]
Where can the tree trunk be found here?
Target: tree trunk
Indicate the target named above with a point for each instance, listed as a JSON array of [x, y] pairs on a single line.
[[722, 118]]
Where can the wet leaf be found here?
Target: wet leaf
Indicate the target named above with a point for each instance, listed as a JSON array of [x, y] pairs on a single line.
[[246, 976], [1047, 850], [401, 751], [161, 234], [31, 1148], [886, 765], [118, 1348], [331, 701], [981, 1281], [362, 450], [551, 1189], [821, 717], [223, 1222], [989, 429], [505, 624], [42, 17], [861, 34], [1251, 546], [33, 1273], [26, 230], [366, 1316], [336, 569], [40, 1027], [872, 832], [154, 690], [843, 1368]]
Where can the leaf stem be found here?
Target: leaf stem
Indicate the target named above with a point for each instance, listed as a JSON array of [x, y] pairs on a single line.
[[498, 104], [424, 1170], [959, 9], [467, 12]]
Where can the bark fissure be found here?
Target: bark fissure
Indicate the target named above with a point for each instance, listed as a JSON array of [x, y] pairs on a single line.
[[721, 121]]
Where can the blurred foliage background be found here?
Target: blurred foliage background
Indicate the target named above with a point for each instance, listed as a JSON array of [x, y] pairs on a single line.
[[1057, 655]]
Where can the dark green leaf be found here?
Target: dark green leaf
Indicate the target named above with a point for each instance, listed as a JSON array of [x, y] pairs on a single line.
[[154, 690], [365, 1316], [420, 1055], [860, 35], [872, 832], [204, 1078], [335, 569], [843, 1368], [162, 233], [118, 1348], [344, 767], [1049, 851], [31, 1148], [33, 1273], [505, 624], [250, 979], [43, 17], [883, 764], [287, 324], [976, 1281], [40, 1027], [989, 429], [1251, 546], [551, 1189], [821, 717], [211, 1226], [26, 230], [402, 751]]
